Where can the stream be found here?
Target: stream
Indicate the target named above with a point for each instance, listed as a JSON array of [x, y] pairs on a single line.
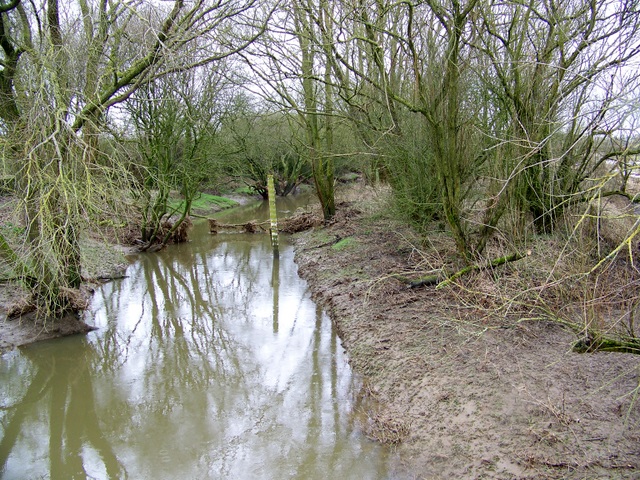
[[210, 361]]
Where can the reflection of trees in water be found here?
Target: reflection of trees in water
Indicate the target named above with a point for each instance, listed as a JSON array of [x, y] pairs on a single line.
[[240, 273], [241, 280], [64, 382], [182, 343], [181, 358], [324, 390], [177, 315]]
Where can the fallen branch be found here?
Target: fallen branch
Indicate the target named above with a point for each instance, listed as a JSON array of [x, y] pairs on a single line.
[[438, 280], [593, 341], [419, 282], [249, 227], [471, 268], [295, 224]]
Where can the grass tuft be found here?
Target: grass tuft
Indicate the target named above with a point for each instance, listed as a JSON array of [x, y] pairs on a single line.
[[344, 243]]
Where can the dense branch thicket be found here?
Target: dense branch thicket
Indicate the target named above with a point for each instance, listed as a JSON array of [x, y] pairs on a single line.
[[490, 119], [501, 106]]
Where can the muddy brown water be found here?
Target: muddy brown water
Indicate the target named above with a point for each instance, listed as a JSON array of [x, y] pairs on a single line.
[[210, 361]]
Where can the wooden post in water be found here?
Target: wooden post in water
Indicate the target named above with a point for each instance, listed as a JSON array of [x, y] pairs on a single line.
[[273, 214]]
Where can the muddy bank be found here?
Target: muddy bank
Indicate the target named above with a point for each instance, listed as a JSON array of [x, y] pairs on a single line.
[[16, 332], [465, 394], [101, 262]]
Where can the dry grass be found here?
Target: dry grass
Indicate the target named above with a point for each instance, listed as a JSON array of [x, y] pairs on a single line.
[[556, 280], [386, 429], [300, 222]]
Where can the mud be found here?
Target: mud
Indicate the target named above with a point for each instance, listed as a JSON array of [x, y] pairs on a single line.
[[19, 331], [101, 263], [464, 393]]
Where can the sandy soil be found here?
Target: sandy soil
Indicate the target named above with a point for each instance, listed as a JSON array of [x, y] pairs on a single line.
[[463, 394]]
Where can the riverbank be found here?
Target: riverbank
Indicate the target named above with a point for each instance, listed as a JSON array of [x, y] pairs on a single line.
[[100, 263], [466, 389]]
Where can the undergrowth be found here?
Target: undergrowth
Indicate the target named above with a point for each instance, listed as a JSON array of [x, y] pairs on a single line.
[[584, 276]]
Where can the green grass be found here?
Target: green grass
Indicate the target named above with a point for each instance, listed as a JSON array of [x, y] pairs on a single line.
[[344, 243], [246, 190], [206, 201]]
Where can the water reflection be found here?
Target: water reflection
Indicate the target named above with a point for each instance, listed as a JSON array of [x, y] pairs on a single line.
[[211, 361], [57, 395]]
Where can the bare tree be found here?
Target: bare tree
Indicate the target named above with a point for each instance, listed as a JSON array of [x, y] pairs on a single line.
[[63, 67], [176, 122], [415, 57], [293, 74], [558, 77], [519, 103]]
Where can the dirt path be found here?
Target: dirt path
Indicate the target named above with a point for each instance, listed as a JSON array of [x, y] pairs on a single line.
[[466, 396]]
